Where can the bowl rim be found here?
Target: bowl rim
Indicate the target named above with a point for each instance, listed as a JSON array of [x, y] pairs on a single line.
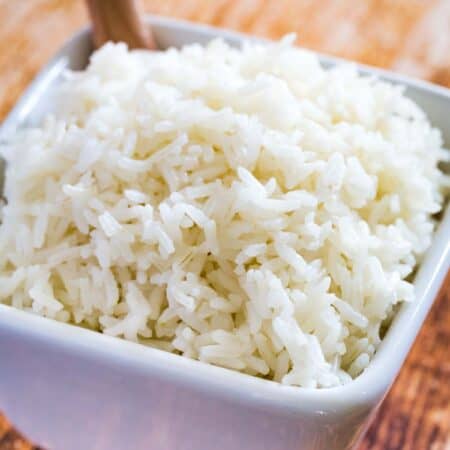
[[365, 390]]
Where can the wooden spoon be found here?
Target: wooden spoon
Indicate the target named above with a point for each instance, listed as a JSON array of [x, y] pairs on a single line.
[[119, 21]]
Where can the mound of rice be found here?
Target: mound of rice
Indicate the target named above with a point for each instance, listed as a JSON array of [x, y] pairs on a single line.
[[245, 208]]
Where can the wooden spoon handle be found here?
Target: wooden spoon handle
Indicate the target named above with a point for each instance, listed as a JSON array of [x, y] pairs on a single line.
[[119, 21]]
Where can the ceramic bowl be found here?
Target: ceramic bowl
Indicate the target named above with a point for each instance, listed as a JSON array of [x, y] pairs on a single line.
[[70, 388]]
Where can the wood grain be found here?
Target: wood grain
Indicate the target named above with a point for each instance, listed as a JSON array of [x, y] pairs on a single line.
[[11, 439], [412, 36]]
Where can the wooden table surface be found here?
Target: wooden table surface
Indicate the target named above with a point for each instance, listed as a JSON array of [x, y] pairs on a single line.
[[411, 36]]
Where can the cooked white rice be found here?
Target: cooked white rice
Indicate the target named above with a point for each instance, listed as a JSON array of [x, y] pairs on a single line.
[[246, 208]]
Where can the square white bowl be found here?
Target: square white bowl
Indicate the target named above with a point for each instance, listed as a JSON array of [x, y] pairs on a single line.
[[71, 388]]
